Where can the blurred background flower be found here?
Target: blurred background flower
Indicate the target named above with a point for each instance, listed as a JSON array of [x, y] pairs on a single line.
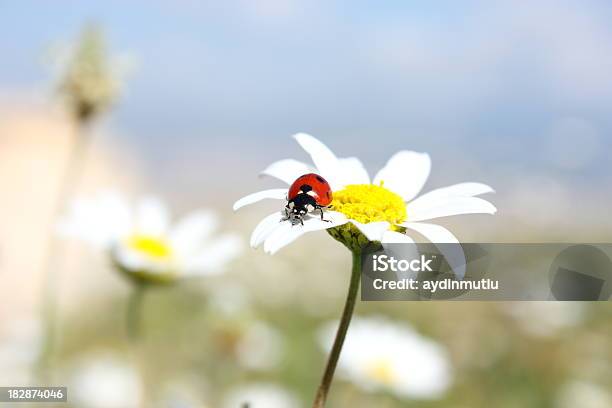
[[584, 394], [88, 83], [88, 88], [546, 318], [19, 348], [141, 242], [104, 381], [382, 355]]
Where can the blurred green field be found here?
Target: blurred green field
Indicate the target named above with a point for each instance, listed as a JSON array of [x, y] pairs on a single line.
[[527, 354]]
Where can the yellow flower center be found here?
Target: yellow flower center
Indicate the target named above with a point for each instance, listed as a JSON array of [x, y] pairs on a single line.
[[381, 371], [366, 203], [369, 203], [153, 247]]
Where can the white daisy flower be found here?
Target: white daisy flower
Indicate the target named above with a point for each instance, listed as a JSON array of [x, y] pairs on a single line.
[[105, 381], [584, 394], [379, 355], [20, 342], [546, 319], [142, 243], [383, 209]]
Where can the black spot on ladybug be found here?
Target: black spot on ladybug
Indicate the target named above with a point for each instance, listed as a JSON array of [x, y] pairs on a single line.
[[305, 188], [320, 179]]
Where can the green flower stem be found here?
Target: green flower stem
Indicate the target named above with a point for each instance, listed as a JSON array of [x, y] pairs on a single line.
[[133, 320], [345, 321], [134, 312], [53, 260]]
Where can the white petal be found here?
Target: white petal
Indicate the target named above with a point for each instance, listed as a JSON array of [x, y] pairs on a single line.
[[129, 259], [275, 193], [212, 258], [134, 261], [394, 237], [456, 190], [405, 173], [405, 252], [334, 218], [152, 217], [189, 233], [353, 172], [419, 210], [101, 221], [287, 233], [287, 170], [119, 220], [453, 254], [374, 230], [323, 158], [283, 236], [265, 228]]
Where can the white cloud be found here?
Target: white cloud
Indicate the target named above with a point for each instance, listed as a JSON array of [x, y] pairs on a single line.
[[558, 54]]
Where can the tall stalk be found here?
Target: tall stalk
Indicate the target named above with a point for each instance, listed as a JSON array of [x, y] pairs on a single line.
[[345, 321], [52, 263], [89, 88], [134, 312]]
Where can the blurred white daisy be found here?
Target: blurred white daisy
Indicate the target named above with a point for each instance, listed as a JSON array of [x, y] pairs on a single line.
[[545, 319], [20, 339], [105, 381], [380, 355], [260, 347], [583, 394], [142, 243], [382, 209], [261, 395], [89, 79]]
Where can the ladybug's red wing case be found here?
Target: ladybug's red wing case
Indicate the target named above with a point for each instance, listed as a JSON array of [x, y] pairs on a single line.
[[323, 190], [294, 189], [315, 185], [307, 194]]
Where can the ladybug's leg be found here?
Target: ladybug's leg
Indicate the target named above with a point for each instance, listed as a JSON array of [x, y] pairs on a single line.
[[321, 211]]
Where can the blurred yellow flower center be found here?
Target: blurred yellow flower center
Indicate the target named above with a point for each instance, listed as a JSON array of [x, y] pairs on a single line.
[[381, 370], [154, 247], [369, 203]]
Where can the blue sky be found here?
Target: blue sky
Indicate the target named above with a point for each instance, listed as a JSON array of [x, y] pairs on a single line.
[[514, 85]]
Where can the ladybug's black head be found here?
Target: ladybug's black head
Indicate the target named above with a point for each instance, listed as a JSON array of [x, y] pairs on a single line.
[[297, 208]]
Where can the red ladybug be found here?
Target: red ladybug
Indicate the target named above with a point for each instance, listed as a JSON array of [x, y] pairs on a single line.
[[308, 193]]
